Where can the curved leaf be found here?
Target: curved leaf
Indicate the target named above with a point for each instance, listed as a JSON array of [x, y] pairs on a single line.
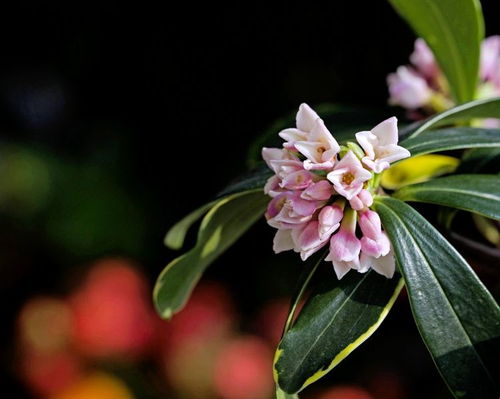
[[452, 139], [417, 169], [484, 108], [252, 180], [177, 233], [337, 318], [220, 228], [475, 193], [457, 317], [453, 29]]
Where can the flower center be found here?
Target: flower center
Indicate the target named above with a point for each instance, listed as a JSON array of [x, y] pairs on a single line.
[[321, 150], [348, 178]]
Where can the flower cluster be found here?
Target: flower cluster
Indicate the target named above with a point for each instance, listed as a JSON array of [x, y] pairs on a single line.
[[321, 191], [422, 87]]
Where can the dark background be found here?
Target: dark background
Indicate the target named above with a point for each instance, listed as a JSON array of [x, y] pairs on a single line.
[[143, 112]]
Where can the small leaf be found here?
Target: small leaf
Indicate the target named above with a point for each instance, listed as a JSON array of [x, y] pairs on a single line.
[[220, 228], [452, 139], [417, 169], [457, 317], [177, 233], [252, 180], [453, 29], [484, 108], [474, 193], [337, 318]]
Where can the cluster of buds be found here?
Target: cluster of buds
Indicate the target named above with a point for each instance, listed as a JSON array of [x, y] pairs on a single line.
[[422, 89], [322, 191]]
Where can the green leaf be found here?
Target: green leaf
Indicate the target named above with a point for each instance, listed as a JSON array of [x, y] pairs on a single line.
[[453, 29], [220, 228], [337, 318], [474, 193], [252, 180], [484, 108], [283, 395], [452, 139], [177, 233], [457, 317]]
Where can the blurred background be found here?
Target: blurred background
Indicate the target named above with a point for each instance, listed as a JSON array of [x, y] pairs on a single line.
[[115, 121]]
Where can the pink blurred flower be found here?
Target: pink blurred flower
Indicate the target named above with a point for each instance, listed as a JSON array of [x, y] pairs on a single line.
[[490, 59], [380, 145], [408, 89], [423, 60]]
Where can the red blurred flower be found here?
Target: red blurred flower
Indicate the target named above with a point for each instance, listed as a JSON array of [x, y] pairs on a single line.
[[208, 314], [244, 370], [112, 311], [47, 374]]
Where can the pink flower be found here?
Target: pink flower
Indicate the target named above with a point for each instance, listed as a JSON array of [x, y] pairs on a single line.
[[320, 148], [424, 60], [408, 89], [287, 210], [321, 191], [380, 145], [490, 59], [305, 120], [348, 176], [345, 246]]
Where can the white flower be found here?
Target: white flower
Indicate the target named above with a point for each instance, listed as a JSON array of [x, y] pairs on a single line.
[[348, 176], [380, 145]]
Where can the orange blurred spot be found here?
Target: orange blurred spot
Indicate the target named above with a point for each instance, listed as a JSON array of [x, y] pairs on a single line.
[[96, 386], [244, 370], [45, 325]]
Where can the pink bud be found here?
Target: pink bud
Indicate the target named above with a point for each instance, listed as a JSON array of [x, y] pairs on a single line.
[[345, 246], [320, 191], [329, 220], [369, 222]]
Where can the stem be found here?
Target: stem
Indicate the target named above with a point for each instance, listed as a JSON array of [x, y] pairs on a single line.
[[283, 395]]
